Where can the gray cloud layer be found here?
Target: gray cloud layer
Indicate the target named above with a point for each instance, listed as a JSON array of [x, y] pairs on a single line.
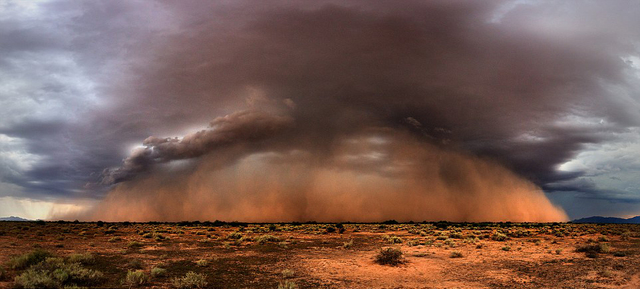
[[244, 126], [531, 86]]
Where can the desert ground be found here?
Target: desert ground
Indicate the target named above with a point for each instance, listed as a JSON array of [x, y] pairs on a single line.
[[312, 255]]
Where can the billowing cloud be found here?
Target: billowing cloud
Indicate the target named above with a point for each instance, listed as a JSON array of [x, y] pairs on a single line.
[[524, 87], [245, 126]]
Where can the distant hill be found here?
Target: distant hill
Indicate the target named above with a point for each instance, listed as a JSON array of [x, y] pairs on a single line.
[[608, 220], [14, 219]]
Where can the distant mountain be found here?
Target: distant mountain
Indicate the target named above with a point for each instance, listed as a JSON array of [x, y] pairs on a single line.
[[608, 220], [14, 219]]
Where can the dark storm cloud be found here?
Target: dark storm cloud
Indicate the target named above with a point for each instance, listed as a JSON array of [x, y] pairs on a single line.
[[58, 61], [506, 90], [246, 126], [530, 86]]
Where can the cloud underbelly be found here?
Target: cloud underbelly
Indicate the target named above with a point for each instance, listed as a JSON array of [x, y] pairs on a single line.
[[373, 175]]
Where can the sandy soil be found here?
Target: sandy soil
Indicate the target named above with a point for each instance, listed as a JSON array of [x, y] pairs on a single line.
[[319, 256]]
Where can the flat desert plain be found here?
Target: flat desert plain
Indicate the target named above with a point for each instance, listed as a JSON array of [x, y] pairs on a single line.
[[313, 255]]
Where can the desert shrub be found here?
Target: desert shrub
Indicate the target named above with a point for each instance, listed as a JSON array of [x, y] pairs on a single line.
[[558, 251], [32, 279], [34, 257], [202, 263], [234, 235], [267, 238], [392, 239], [135, 245], [592, 250], [606, 273], [455, 235], [85, 258], [245, 239], [157, 272], [450, 242], [136, 278], [288, 273], [159, 237], [456, 254], [506, 248], [389, 256], [499, 237], [56, 273], [287, 285], [347, 245], [114, 239], [604, 248], [190, 280]]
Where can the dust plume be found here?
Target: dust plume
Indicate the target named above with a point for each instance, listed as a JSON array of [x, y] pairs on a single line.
[[376, 174]]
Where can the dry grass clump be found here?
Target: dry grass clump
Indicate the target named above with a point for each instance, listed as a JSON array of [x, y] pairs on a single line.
[[85, 258], [288, 273], [136, 278], [202, 263], [190, 280], [158, 272], [389, 256], [267, 238]]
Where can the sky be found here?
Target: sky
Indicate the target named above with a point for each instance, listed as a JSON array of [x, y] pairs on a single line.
[[323, 110]]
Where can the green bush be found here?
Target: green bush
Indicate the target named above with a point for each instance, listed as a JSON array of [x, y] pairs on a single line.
[[288, 273], [392, 239], [456, 254], [202, 263], [32, 279], [190, 280], [85, 258], [267, 238], [499, 237], [56, 273], [34, 257], [234, 235], [136, 278], [389, 256], [158, 272]]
